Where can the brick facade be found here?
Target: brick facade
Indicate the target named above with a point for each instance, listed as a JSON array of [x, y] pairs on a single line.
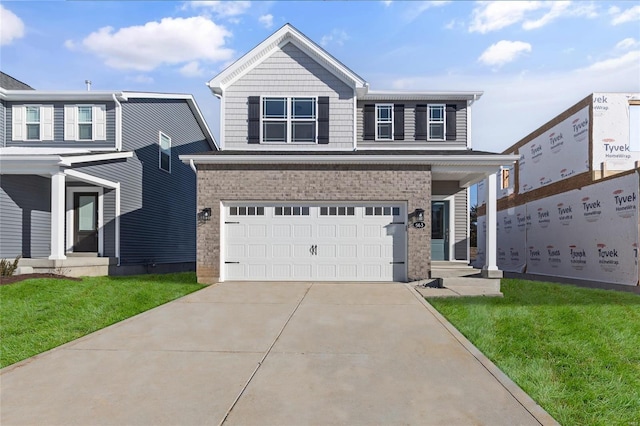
[[282, 183]]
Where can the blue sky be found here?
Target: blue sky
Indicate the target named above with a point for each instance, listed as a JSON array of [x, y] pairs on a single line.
[[532, 59]]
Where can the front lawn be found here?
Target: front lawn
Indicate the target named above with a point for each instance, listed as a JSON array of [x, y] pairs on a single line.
[[39, 314], [576, 351]]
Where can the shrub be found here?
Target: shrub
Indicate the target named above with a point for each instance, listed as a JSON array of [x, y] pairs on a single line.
[[7, 267]]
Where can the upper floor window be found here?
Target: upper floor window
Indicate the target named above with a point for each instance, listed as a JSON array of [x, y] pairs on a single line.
[[32, 122], [384, 122], [289, 120], [436, 124], [164, 143], [85, 122]]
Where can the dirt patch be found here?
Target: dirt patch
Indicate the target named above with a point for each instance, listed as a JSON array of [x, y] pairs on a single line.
[[17, 278]]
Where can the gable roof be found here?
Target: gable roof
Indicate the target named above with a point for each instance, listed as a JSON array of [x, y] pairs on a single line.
[[287, 34], [10, 83]]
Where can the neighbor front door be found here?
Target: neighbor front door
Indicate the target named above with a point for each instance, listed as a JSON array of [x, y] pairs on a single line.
[[85, 223], [439, 230]]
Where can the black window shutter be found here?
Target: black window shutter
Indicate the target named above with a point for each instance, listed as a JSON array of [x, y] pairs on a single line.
[[398, 122], [369, 122], [253, 135], [451, 123], [323, 119], [421, 122]]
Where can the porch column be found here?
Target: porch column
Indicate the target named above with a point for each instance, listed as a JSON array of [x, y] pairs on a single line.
[[57, 216], [490, 268]]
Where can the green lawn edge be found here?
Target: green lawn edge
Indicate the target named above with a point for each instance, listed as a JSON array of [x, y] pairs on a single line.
[[37, 315], [575, 351]]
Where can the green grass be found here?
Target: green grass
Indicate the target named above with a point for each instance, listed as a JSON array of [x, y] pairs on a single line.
[[39, 314], [576, 351]]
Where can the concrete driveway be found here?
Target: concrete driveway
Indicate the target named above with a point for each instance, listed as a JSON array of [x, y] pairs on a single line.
[[270, 354]]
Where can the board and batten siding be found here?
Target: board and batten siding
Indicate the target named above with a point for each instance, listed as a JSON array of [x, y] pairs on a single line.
[[461, 214], [58, 126], [410, 126], [25, 225], [288, 72], [158, 209]]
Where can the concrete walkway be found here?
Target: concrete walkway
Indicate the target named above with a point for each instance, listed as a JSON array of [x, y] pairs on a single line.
[[270, 354]]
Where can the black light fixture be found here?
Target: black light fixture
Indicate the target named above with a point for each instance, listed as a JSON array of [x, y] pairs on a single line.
[[419, 215], [205, 214]]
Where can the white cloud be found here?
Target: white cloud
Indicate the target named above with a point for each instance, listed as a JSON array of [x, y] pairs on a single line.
[[171, 41], [627, 43], [336, 36], [12, 26], [503, 52], [266, 20], [522, 102], [494, 15], [222, 9], [192, 69], [629, 15]]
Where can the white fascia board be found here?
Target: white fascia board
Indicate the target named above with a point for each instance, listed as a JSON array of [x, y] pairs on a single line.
[[42, 95], [68, 161], [374, 95], [450, 162], [263, 50]]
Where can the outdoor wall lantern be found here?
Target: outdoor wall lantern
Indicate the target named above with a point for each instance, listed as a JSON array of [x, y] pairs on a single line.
[[205, 214]]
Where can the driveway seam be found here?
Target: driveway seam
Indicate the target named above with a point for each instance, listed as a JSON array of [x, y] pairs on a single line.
[[266, 354]]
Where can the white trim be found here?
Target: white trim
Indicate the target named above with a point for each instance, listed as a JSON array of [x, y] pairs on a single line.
[[494, 160], [452, 221], [71, 190]]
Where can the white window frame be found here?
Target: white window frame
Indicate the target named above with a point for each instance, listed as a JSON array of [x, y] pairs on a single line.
[[390, 121], [98, 122], [162, 151], [20, 123], [289, 119], [443, 122]]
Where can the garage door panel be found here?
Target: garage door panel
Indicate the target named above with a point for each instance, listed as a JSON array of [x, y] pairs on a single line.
[[342, 242]]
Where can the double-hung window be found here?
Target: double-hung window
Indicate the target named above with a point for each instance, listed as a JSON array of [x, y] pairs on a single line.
[[436, 122], [164, 143], [384, 122], [85, 122], [289, 120], [32, 121]]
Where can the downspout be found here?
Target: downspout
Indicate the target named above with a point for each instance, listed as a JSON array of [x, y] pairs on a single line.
[[118, 123]]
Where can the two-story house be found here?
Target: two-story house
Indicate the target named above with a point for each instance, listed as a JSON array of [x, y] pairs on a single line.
[[91, 182], [320, 178]]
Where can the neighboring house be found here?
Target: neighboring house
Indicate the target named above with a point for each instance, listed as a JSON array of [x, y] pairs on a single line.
[[91, 182], [320, 178], [569, 207]]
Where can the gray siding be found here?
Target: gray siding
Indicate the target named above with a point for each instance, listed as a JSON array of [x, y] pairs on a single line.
[[158, 209], [289, 72], [25, 206], [2, 124], [58, 127], [461, 213], [410, 126]]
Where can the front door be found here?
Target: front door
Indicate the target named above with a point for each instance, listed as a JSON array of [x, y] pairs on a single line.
[[85, 222], [439, 230]]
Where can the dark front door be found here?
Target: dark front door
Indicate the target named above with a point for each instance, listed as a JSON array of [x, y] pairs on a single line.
[[439, 230], [85, 222]]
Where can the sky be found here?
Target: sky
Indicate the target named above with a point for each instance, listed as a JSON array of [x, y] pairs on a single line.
[[532, 59]]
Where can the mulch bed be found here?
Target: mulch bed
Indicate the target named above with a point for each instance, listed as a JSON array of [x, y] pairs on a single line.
[[17, 278]]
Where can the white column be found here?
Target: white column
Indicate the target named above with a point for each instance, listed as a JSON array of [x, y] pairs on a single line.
[[57, 216], [490, 268]]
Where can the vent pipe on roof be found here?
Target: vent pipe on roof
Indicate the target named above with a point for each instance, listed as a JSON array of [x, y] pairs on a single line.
[[88, 83]]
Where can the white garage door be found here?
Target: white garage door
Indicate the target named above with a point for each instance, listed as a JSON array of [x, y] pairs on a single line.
[[302, 242]]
